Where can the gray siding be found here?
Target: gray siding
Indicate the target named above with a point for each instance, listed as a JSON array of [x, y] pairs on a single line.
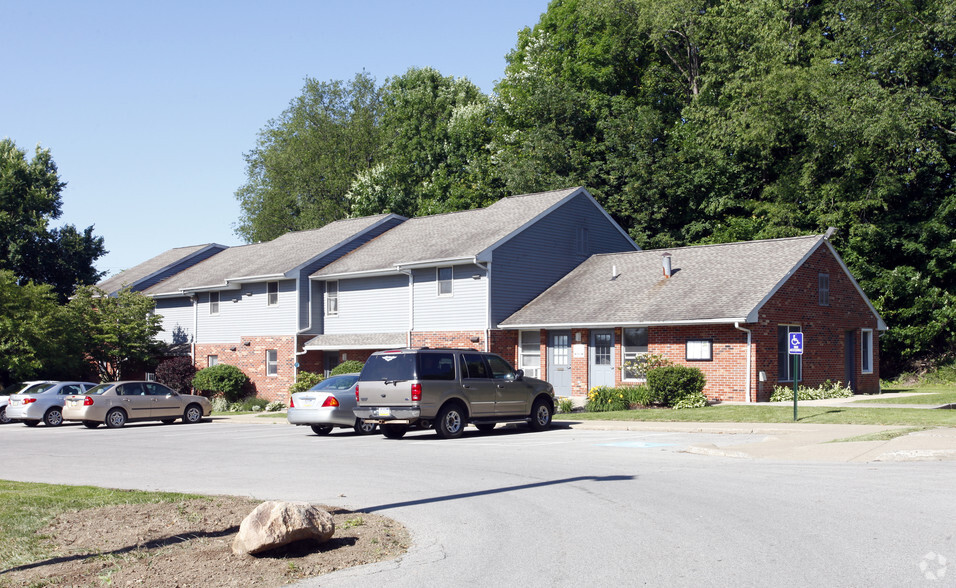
[[371, 305], [539, 256], [177, 315], [464, 310], [241, 315]]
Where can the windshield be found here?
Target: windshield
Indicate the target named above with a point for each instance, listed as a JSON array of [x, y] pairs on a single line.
[[336, 383], [97, 390], [39, 388]]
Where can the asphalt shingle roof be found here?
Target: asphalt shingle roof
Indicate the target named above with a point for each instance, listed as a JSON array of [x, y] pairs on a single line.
[[270, 258], [131, 276], [708, 282], [454, 235]]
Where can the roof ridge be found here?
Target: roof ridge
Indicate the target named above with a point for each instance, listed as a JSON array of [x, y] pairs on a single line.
[[707, 245]]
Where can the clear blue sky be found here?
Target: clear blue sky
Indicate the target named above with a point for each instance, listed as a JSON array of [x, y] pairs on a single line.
[[148, 107]]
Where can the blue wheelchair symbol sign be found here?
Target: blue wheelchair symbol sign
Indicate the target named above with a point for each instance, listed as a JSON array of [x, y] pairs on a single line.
[[796, 343]]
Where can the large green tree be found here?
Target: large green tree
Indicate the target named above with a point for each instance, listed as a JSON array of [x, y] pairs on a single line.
[[30, 198]]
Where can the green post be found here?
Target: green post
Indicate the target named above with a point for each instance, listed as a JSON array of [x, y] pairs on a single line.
[[793, 374]]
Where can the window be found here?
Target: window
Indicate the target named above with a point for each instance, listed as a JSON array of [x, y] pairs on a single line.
[[784, 361], [331, 298], [214, 303], [529, 353], [866, 350], [436, 366], [272, 289], [635, 345], [699, 350], [272, 362], [474, 366], [445, 275], [500, 370], [212, 360], [823, 289], [582, 242]]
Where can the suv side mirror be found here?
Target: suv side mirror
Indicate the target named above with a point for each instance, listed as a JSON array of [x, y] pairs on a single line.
[[519, 375]]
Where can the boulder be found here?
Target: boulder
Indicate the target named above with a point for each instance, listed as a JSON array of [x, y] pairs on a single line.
[[274, 524]]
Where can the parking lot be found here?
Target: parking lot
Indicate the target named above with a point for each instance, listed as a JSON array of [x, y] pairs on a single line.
[[550, 508]]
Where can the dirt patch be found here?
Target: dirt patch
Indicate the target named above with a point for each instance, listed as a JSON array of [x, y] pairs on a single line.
[[189, 543]]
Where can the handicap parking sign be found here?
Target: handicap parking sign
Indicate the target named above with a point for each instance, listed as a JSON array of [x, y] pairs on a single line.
[[796, 343]]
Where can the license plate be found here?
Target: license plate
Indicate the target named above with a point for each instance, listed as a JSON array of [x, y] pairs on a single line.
[[384, 411], [72, 402], [15, 402]]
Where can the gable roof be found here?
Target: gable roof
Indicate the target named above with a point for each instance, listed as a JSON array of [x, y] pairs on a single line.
[[454, 237], [275, 259], [723, 283], [155, 267]]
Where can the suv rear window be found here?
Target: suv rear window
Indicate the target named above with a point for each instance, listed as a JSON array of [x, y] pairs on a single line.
[[436, 366], [389, 366]]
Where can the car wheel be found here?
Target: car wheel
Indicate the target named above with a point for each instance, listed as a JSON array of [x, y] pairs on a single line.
[[115, 418], [450, 422], [193, 414], [364, 428], [541, 414], [53, 417], [485, 427], [168, 421], [90, 424], [394, 431], [31, 423], [4, 419], [321, 429]]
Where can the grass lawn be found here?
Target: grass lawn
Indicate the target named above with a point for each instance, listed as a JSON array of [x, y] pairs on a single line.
[[937, 395], [25, 508], [778, 414]]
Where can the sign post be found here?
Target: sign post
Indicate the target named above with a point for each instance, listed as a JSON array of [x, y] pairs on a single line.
[[796, 350]]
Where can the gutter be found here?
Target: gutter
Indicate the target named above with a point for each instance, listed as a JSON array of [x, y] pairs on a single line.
[[487, 269], [411, 305], [749, 346]]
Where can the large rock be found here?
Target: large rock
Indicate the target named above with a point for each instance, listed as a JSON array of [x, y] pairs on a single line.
[[274, 524]]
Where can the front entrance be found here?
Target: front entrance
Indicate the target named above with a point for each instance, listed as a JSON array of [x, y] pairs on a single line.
[[559, 362], [601, 359]]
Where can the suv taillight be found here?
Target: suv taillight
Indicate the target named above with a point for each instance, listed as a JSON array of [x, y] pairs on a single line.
[[88, 401], [356, 393], [416, 392]]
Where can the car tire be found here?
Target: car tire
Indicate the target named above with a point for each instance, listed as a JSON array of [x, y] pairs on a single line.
[[394, 431], [168, 421], [53, 417], [364, 428], [451, 421], [90, 424], [31, 423], [115, 418], [486, 427], [321, 429], [541, 413], [4, 419], [192, 414]]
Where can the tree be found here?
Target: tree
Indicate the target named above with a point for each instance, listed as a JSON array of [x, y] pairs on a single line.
[[177, 373], [305, 160], [221, 378], [29, 200], [115, 331], [35, 334]]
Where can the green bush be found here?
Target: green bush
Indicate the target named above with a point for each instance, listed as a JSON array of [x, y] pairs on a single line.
[[347, 367], [825, 390], [670, 384], [276, 406], [222, 378], [605, 399], [639, 395], [695, 400], [251, 404], [219, 403], [304, 381], [565, 405]]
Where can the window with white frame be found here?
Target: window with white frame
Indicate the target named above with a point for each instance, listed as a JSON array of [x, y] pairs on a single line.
[[784, 360], [633, 346], [823, 289], [582, 241], [272, 362], [212, 360], [445, 277], [866, 351], [331, 298], [699, 350], [529, 353], [214, 303], [272, 293]]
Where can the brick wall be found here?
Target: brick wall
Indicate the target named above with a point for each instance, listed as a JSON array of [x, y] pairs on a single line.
[[725, 372], [250, 357], [461, 339]]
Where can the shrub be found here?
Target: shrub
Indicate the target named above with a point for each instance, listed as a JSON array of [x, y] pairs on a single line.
[[219, 403], [347, 367], [566, 405], [694, 400], [639, 395], [222, 378], [177, 373], [669, 384], [643, 363], [251, 404], [605, 399], [276, 406], [825, 390], [304, 381]]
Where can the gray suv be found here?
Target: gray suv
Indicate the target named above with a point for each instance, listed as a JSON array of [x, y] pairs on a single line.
[[448, 388]]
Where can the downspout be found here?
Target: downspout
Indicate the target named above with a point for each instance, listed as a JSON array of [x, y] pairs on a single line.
[[192, 348], [411, 306], [487, 302], [749, 345]]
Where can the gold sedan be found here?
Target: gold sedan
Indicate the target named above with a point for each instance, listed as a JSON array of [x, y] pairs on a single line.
[[117, 403]]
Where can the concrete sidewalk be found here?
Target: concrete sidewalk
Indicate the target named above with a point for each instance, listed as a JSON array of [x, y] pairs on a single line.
[[781, 441]]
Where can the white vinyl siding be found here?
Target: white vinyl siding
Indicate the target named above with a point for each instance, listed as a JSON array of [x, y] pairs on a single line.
[[244, 316], [371, 305], [465, 311], [177, 315]]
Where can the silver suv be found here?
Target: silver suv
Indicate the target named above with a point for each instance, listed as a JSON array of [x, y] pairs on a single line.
[[448, 388]]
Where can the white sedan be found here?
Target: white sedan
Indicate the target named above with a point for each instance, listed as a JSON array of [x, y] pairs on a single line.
[[327, 405]]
